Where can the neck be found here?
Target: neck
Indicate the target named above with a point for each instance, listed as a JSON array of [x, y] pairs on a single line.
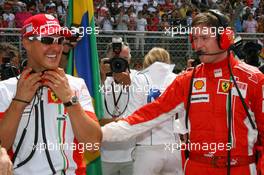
[[221, 57]]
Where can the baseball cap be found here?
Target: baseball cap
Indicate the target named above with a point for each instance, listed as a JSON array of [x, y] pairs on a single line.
[[43, 25]]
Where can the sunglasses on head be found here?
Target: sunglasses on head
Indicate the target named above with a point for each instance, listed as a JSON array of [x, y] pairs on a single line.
[[48, 39]]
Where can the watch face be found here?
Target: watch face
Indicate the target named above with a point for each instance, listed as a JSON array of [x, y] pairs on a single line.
[[74, 99]]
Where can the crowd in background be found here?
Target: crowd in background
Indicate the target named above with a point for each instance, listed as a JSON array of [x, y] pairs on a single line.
[[141, 15], [245, 16], [13, 12]]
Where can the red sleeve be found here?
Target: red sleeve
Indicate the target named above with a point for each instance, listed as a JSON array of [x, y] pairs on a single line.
[[258, 107], [89, 113], [167, 102], [2, 115]]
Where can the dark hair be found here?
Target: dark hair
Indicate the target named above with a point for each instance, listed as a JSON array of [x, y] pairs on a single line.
[[10, 50], [189, 13]]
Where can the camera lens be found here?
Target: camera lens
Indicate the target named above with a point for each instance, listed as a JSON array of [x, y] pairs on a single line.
[[119, 65]]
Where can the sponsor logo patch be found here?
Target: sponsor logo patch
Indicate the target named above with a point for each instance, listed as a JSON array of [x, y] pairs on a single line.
[[200, 98], [52, 97], [199, 85], [242, 88], [224, 86], [218, 73]]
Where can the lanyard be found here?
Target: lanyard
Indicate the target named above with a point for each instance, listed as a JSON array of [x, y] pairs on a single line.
[[114, 114], [114, 97]]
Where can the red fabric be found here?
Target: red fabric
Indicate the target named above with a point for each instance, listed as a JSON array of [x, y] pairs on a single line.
[[208, 111], [3, 24], [43, 24], [52, 97], [153, 24], [92, 115], [78, 157], [260, 165], [20, 17], [168, 7], [10, 153], [2, 115]]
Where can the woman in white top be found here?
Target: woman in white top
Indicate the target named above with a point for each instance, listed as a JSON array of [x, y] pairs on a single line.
[[151, 155]]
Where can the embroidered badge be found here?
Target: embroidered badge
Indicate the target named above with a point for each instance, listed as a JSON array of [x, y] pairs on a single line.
[[199, 85], [218, 73], [224, 86], [52, 97], [200, 98]]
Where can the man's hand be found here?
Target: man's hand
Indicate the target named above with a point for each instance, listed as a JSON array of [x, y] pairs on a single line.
[[122, 78], [104, 68], [28, 84], [5, 163], [58, 82]]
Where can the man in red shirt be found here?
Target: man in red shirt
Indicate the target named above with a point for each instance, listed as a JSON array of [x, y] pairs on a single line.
[[223, 99]]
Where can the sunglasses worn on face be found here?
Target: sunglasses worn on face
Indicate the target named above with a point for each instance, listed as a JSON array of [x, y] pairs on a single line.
[[48, 39]]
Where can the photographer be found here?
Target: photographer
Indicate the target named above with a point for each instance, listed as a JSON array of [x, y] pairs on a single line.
[[46, 115], [251, 52], [9, 61], [116, 79]]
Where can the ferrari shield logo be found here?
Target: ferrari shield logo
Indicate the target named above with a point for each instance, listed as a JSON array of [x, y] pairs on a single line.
[[52, 97], [224, 86]]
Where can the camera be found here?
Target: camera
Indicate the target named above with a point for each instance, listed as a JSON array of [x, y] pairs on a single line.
[[250, 52], [7, 70], [76, 32], [117, 63]]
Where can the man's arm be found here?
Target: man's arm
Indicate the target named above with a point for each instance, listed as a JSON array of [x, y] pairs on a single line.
[[85, 129], [258, 107], [10, 122], [26, 87], [105, 121], [148, 116]]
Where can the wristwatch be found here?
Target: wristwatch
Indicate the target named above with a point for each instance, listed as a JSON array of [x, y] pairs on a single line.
[[73, 101]]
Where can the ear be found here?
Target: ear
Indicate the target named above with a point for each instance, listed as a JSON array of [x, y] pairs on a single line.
[[25, 43]]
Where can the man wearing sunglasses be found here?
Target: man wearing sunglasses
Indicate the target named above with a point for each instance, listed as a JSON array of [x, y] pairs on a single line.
[[46, 116]]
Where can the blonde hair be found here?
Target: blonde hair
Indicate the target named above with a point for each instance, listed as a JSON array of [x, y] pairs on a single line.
[[156, 54]]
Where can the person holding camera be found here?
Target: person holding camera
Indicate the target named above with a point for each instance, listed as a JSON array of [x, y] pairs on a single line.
[[222, 99], [46, 117], [9, 61], [116, 80]]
